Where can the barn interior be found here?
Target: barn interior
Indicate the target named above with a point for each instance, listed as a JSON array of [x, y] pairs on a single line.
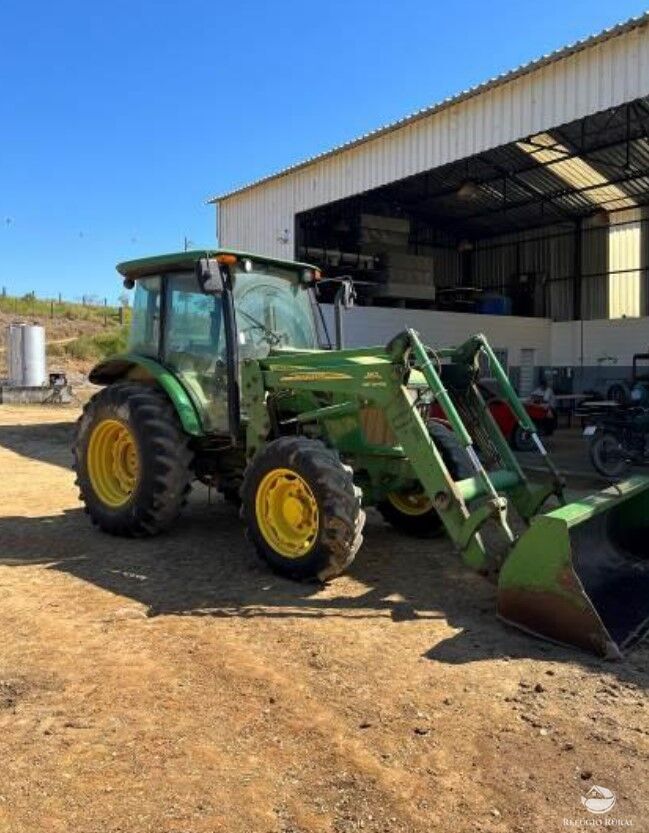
[[553, 225]]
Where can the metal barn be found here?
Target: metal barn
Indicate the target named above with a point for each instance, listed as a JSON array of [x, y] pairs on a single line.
[[526, 197]]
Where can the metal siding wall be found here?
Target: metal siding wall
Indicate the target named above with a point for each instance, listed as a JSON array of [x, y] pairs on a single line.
[[594, 267], [550, 254], [593, 79], [494, 267], [644, 263], [446, 267], [549, 257], [559, 257], [624, 253], [258, 225]]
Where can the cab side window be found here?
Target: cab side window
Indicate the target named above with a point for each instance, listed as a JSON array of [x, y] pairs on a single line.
[[145, 325], [194, 321], [195, 347]]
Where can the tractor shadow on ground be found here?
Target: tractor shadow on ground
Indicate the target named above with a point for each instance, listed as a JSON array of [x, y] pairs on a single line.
[[47, 442], [205, 567]]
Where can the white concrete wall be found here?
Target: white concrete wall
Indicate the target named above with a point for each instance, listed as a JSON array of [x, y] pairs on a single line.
[[367, 326], [605, 342]]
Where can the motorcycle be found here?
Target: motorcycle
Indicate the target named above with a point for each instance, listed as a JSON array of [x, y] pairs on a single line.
[[620, 439]]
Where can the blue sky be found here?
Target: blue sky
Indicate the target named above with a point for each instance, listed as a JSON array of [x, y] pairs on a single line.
[[119, 119]]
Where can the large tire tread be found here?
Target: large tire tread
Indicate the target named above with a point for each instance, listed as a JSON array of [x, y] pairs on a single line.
[[339, 505], [165, 460]]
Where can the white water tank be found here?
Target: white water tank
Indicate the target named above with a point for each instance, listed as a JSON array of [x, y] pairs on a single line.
[[26, 355], [14, 353]]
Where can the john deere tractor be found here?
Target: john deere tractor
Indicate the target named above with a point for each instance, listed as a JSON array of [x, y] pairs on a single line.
[[229, 379]]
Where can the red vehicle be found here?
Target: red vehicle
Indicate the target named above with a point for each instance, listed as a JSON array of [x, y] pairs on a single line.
[[544, 417]]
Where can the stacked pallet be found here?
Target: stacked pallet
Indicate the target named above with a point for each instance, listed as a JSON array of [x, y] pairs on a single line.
[[380, 234], [407, 276]]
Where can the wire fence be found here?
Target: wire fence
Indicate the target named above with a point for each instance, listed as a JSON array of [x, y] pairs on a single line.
[[89, 308]]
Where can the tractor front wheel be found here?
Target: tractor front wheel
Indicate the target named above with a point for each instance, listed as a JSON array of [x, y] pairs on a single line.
[[301, 509], [132, 460]]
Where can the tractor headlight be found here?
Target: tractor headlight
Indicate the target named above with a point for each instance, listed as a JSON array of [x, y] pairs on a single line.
[[310, 276]]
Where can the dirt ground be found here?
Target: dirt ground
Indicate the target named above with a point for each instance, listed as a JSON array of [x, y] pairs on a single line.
[[176, 686]]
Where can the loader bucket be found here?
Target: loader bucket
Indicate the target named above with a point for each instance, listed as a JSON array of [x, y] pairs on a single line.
[[580, 574]]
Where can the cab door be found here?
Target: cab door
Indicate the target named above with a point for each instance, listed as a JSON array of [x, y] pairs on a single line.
[[194, 347]]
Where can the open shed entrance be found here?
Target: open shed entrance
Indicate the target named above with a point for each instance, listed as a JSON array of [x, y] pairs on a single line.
[[553, 225]]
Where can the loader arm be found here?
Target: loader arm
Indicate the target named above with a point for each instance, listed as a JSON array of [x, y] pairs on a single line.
[[346, 382]]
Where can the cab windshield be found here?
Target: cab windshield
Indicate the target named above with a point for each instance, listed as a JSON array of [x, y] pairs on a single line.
[[273, 310]]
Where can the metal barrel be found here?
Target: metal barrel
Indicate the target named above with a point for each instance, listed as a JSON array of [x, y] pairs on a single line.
[[580, 574]]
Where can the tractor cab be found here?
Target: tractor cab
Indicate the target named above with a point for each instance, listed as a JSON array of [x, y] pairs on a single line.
[[201, 314]]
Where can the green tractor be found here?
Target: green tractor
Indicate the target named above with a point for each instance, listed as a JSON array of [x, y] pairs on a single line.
[[229, 380]]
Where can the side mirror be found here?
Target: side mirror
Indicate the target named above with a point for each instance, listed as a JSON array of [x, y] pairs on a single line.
[[344, 299], [349, 293], [210, 277]]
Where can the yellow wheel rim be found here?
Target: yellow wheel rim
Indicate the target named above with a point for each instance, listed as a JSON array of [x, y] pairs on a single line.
[[113, 462], [287, 513], [411, 503]]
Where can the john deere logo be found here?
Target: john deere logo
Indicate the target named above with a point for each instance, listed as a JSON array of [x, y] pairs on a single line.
[[598, 800], [315, 376]]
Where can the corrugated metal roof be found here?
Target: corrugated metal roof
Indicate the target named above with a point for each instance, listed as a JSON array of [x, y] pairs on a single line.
[[499, 80], [602, 161]]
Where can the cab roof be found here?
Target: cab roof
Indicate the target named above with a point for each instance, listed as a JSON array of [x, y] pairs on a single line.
[[173, 261]]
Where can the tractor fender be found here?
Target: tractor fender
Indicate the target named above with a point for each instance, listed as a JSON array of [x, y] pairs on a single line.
[[144, 369]]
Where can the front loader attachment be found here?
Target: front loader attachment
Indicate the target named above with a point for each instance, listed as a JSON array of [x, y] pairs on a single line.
[[580, 574]]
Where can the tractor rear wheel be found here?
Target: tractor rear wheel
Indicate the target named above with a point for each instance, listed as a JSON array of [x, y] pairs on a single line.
[[132, 460], [301, 509], [413, 512]]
